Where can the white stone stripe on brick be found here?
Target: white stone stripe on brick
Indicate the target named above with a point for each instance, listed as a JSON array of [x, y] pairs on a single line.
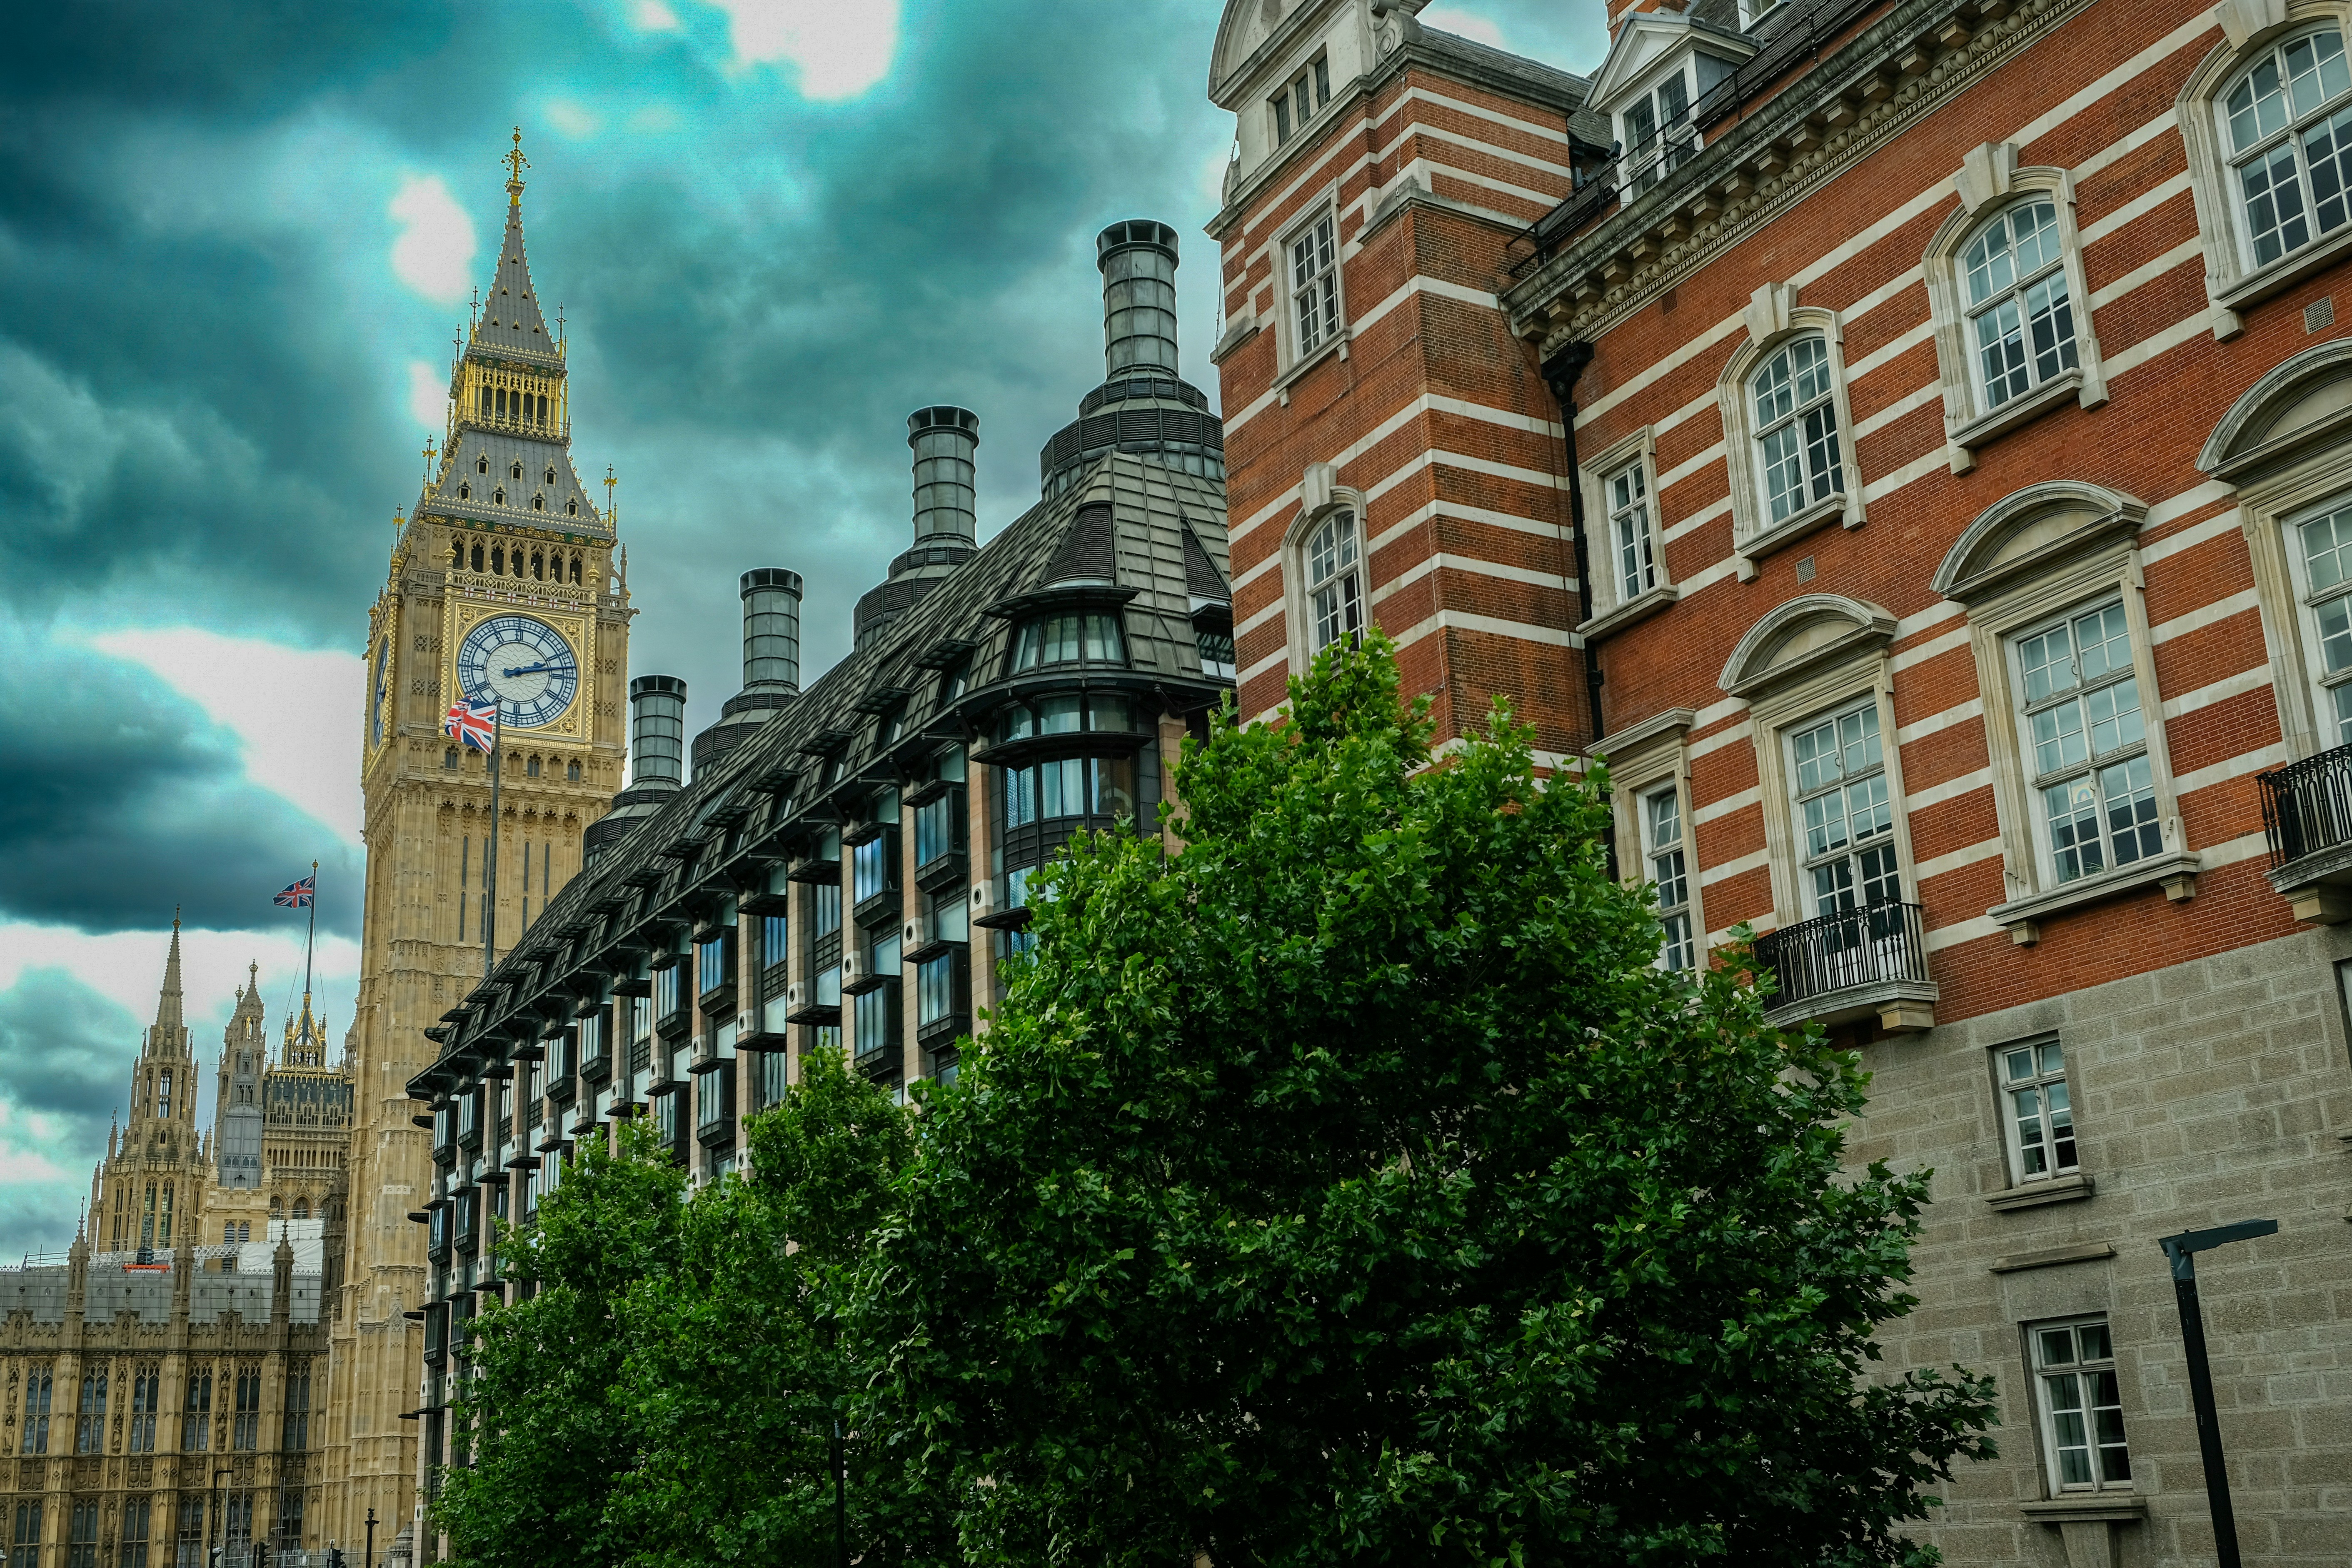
[[1738, 800], [2140, 206], [2204, 616], [1443, 560], [1494, 625], [2229, 852], [2189, 328], [2229, 769], [1719, 506], [1918, 621], [1739, 867], [1690, 466], [1975, 929], [1954, 859], [1936, 723], [2126, 144], [1919, 800], [1909, 402], [2254, 679], [1713, 714], [1895, 347], [2179, 255]]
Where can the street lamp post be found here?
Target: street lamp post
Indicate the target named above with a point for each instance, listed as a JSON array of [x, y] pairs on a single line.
[[369, 1562], [2182, 1250], [215, 1538]]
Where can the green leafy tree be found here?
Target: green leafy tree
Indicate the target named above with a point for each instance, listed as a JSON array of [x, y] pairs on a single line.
[[669, 1394], [1351, 1187]]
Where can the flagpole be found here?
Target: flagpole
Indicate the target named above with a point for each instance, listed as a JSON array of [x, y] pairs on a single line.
[[312, 941], [490, 869]]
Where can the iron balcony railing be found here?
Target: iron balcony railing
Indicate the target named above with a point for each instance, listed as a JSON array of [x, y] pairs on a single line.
[[2308, 805], [1878, 944]]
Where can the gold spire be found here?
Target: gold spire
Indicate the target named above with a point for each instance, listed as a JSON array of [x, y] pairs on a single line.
[[516, 163]]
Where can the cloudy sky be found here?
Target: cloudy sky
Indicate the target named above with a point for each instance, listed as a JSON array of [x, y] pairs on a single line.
[[235, 241]]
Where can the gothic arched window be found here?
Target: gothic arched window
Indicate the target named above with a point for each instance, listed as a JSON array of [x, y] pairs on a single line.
[[516, 472], [464, 492], [551, 473], [497, 559], [538, 562], [539, 503], [531, 768], [575, 560], [572, 772], [498, 496], [449, 760], [458, 548], [482, 464]]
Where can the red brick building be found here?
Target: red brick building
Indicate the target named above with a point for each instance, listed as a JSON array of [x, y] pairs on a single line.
[[1908, 438]]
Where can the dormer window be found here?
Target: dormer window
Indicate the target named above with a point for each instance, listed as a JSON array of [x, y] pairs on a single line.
[[551, 473], [1658, 135], [1072, 636], [1754, 11], [482, 465], [1297, 103], [516, 471], [1660, 66]]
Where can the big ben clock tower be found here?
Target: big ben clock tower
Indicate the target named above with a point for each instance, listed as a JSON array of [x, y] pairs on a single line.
[[503, 586]]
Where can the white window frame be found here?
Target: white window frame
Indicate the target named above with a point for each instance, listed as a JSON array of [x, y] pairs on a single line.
[[1673, 143], [1345, 580], [2035, 1067], [1802, 660], [2286, 446], [1321, 499], [1332, 331], [2051, 550], [2072, 1387], [1990, 185], [1645, 760], [1774, 320], [1857, 718], [2234, 280], [2330, 689], [1666, 863], [2143, 837], [1635, 453], [1288, 113]]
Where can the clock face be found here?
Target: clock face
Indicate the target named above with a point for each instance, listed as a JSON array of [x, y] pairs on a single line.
[[525, 664], [382, 667]]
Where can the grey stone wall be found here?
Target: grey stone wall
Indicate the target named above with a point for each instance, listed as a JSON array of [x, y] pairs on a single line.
[[2212, 1091]]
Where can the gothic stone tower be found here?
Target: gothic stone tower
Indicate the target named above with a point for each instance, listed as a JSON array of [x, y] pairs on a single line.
[[150, 1190], [502, 583]]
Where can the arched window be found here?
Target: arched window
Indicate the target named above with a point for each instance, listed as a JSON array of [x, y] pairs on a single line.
[[572, 772], [516, 472], [572, 508], [2287, 129], [517, 562], [478, 558], [2020, 326], [551, 473], [449, 760], [498, 496], [497, 561], [1334, 578], [301, 1209], [531, 768], [163, 1098], [538, 562], [1796, 430], [539, 503], [482, 464], [457, 549], [575, 560]]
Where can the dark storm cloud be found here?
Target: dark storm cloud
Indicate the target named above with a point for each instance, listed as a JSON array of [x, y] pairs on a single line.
[[138, 805], [64, 1053]]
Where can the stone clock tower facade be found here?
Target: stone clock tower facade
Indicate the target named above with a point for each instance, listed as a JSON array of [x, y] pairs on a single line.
[[503, 584]]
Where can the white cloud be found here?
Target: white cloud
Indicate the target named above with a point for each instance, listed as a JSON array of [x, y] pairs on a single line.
[[572, 120], [435, 251], [1465, 25], [428, 395], [653, 16], [841, 47], [127, 968], [297, 711]]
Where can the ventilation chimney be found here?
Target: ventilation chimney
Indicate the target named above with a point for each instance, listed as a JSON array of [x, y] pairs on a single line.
[[771, 662], [947, 529], [1137, 259], [944, 440], [1143, 408], [658, 731], [772, 629], [656, 747]]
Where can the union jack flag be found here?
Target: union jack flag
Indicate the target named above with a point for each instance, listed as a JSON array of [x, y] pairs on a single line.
[[299, 895], [472, 723]]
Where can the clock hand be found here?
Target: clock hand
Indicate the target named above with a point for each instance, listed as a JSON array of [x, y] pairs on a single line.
[[536, 670]]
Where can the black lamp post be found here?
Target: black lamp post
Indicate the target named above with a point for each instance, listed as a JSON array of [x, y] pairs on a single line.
[[2182, 1251], [369, 1562], [215, 1538]]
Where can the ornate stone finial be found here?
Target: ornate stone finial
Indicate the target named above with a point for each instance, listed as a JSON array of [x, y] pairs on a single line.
[[516, 163], [609, 482]]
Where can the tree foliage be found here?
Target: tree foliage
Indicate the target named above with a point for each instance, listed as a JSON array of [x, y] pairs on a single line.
[[1350, 1187]]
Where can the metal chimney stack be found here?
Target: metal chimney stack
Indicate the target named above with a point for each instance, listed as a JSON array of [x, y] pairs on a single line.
[[1137, 259], [658, 731], [945, 439], [772, 629]]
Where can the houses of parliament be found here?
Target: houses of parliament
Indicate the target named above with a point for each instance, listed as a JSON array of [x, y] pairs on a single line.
[[225, 1356]]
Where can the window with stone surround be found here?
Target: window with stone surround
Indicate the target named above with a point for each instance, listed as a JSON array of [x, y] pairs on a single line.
[[2079, 1400], [2083, 788], [2007, 292], [1649, 776], [1788, 427], [1312, 259], [1300, 98], [1627, 556], [1331, 562], [1837, 765], [1668, 861], [2037, 1110]]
